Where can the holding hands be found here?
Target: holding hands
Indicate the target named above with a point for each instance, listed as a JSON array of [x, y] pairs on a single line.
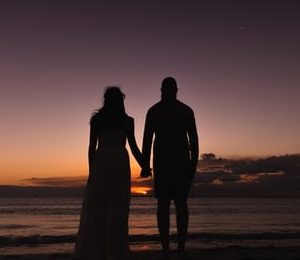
[[146, 172]]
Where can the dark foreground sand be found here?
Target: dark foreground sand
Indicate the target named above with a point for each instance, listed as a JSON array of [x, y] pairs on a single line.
[[232, 253]]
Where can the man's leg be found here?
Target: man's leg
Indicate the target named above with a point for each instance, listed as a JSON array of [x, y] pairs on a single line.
[[163, 221], [182, 219]]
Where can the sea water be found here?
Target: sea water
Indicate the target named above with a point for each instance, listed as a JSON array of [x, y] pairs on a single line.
[[49, 225]]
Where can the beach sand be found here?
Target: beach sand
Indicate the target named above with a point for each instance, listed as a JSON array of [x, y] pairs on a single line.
[[232, 253]]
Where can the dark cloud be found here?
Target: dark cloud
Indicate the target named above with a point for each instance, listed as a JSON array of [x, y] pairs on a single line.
[[272, 176], [287, 163], [57, 181]]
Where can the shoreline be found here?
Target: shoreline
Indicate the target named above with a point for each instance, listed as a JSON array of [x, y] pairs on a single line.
[[232, 253]]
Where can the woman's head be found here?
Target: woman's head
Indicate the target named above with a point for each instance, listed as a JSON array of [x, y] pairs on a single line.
[[112, 114], [113, 97]]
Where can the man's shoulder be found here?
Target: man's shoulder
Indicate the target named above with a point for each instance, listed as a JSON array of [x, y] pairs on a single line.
[[129, 119], [154, 108], [184, 107], [179, 107]]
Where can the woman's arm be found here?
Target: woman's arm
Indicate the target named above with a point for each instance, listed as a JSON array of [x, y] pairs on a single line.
[[132, 143]]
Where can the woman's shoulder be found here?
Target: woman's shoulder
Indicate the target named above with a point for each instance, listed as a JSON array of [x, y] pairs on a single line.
[[129, 121], [95, 117]]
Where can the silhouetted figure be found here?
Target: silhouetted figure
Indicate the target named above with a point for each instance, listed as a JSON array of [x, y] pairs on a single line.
[[103, 230], [175, 157]]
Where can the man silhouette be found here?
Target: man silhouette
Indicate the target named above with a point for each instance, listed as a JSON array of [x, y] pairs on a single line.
[[175, 157]]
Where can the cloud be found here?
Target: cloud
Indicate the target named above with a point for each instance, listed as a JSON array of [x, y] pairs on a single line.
[[56, 181], [270, 176], [286, 163], [138, 187]]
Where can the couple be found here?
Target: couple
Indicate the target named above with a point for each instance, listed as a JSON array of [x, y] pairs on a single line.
[[103, 230]]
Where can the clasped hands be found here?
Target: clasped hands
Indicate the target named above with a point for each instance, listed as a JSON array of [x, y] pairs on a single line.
[[146, 172]]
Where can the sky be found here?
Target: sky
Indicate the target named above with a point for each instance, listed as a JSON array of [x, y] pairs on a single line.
[[237, 65]]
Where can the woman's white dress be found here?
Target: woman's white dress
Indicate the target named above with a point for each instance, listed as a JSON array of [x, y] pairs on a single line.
[[103, 229]]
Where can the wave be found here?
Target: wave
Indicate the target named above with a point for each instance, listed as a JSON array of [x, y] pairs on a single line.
[[204, 237], [15, 226]]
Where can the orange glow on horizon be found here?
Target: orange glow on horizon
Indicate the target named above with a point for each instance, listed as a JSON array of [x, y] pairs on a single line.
[[140, 190]]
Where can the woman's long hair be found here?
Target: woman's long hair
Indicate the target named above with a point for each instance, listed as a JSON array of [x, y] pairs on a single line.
[[112, 115]]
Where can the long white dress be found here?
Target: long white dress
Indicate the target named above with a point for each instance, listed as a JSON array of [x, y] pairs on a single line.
[[103, 229]]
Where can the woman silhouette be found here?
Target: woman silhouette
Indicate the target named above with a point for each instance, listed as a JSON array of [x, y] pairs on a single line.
[[103, 229]]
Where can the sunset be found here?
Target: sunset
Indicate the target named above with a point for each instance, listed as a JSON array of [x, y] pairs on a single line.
[[242, 85], [236, 65]]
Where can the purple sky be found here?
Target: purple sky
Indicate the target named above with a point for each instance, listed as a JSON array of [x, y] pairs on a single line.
[[237, 64]]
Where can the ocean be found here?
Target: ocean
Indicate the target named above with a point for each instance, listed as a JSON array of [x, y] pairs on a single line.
[[49, 225]]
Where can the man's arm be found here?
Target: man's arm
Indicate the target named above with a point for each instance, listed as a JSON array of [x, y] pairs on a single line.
[[193, 141], [92, 143], [147, 145]]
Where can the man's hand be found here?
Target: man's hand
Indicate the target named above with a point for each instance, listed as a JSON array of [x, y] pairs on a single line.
[[145, 173]]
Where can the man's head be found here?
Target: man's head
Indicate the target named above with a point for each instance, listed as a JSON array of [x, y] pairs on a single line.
[[168, 88]]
